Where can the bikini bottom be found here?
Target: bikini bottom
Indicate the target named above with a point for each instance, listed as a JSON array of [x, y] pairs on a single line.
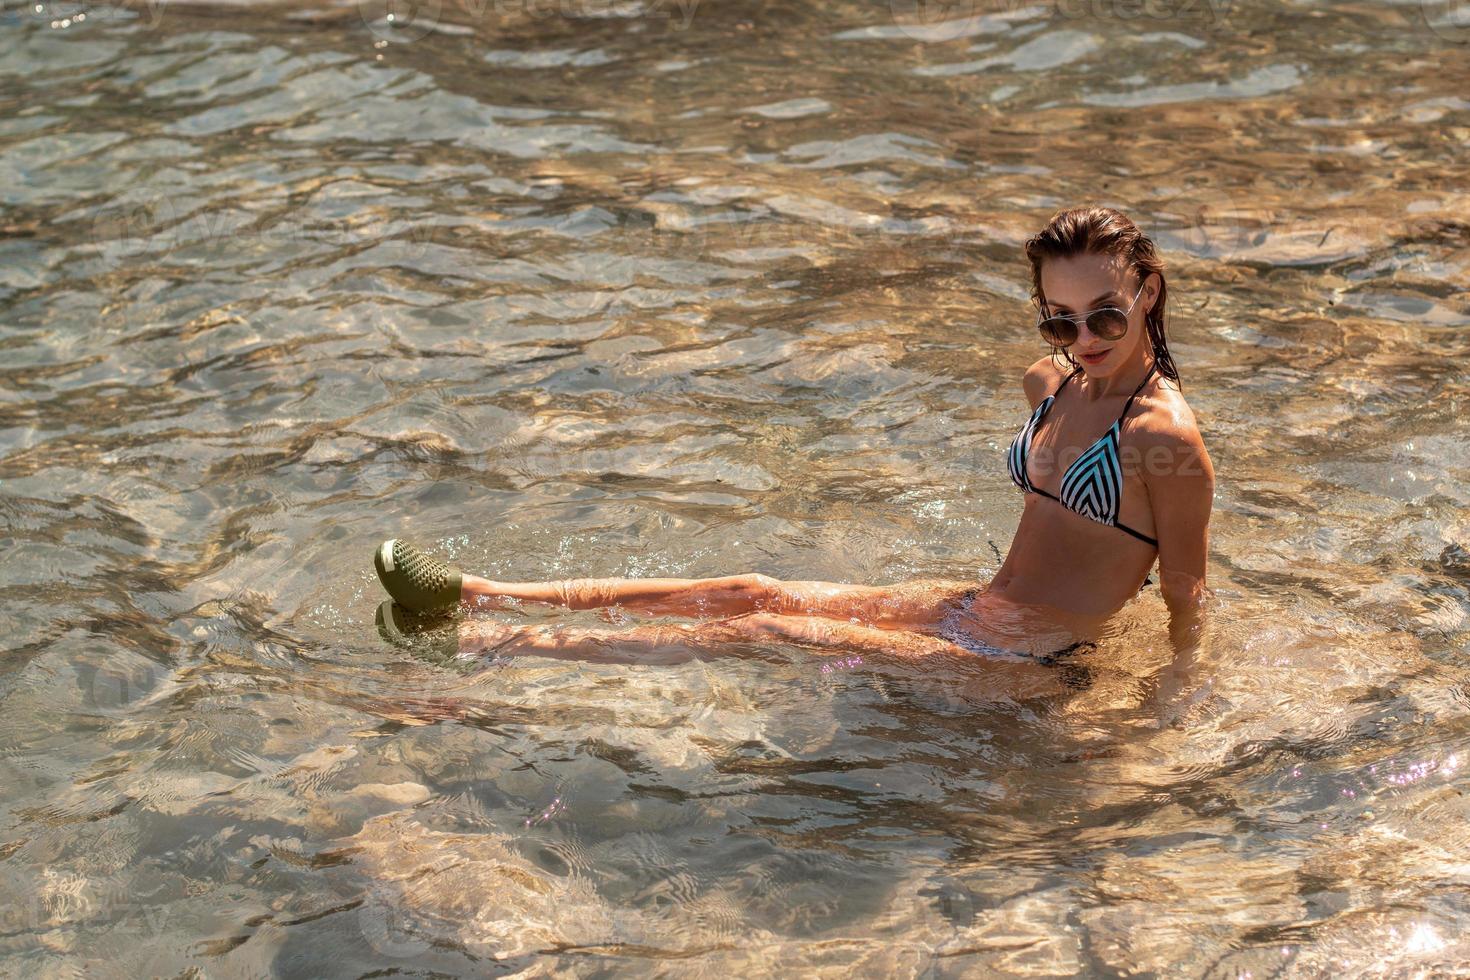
[[1077, 677]]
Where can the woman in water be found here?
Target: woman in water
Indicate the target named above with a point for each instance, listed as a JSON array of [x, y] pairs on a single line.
[[1110, 460]]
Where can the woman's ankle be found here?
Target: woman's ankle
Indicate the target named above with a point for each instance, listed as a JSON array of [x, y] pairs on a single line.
[[483, 593]]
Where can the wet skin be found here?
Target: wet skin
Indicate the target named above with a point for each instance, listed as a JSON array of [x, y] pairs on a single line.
[[1063, 576]]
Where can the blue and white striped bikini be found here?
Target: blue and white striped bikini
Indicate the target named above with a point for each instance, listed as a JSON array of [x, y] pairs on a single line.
[[1093, 485]]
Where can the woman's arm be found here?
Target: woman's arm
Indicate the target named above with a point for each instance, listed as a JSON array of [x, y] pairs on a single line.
[[1181, 490]]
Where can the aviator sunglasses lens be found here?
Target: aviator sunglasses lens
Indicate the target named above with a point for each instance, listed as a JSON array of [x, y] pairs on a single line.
[[1059, 331], [1107, 324]]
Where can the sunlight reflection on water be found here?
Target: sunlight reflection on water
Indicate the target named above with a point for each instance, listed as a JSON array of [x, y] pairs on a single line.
[[678, 290]]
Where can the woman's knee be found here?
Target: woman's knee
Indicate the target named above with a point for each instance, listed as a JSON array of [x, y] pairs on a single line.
[[759, 623], [754, 586], [806, 630]]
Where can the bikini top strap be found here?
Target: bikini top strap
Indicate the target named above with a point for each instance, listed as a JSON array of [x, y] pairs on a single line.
[[1075, 371], [1129, 403]]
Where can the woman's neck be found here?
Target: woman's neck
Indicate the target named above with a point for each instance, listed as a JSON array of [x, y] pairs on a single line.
[[1125, 380]]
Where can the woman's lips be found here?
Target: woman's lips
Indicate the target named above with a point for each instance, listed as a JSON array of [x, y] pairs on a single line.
[[1095, 358]]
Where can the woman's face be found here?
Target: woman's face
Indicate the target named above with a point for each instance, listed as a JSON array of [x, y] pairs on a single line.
[[1082, 283]]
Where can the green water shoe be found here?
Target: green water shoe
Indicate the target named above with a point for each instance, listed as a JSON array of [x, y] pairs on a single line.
[[419, 583]]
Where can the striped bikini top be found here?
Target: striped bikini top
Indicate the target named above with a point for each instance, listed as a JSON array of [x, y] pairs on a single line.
[[1093, 485]]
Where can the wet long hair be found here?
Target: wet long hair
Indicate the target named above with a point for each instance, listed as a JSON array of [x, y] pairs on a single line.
[[1104, 231]]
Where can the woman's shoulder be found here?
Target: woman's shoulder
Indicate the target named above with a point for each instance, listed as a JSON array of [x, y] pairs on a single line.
[[1041, 379], [1164, 419]]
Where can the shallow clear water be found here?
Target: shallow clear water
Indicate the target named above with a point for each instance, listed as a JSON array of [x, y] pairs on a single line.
[[579, 288]]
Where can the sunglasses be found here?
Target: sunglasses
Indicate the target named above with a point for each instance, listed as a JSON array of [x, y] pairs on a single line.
[[1109, 323]]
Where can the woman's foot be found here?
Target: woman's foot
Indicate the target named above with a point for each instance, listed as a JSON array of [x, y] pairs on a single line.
[[418, 583], [425, 637]]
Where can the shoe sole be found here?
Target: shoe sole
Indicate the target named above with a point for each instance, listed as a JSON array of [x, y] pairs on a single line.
[[394, 622]]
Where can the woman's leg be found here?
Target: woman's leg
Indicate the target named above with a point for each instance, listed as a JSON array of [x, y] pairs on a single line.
[[641, 642], [700, 597], [910, 605], [679, 642]]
